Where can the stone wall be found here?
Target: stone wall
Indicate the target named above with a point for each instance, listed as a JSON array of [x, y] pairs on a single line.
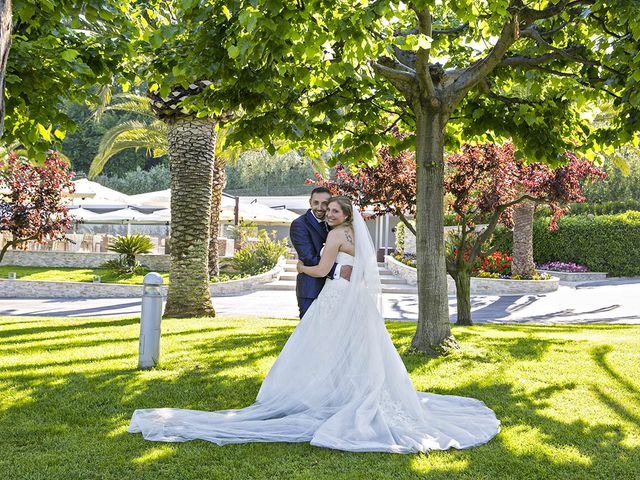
[[576, 276], [47, 289], [26, 258]]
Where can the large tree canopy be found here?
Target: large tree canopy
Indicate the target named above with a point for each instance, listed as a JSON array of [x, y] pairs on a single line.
[[339, 76], [61, 50], [535, 71]]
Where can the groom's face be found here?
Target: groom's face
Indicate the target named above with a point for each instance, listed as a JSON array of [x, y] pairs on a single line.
[[319, 203]]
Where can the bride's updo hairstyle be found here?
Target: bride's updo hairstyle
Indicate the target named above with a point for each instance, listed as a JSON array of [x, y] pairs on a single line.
[[346, 207]]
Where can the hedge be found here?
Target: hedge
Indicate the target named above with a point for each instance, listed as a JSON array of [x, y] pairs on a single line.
[[602, 208], [605, 243]]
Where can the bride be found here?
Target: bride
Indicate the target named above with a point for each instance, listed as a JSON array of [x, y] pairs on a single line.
[[339, 381]]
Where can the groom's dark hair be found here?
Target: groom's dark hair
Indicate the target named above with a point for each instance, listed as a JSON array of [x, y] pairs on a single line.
[[319, 190]]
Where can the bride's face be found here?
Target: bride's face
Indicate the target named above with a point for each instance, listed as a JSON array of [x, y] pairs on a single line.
[[335, 216]]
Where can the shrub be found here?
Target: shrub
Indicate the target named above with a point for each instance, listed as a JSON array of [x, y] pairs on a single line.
[[400, 233], [602, 208], [241, 232], [260, 256], [605, 243], [497, 262], [128, 246]]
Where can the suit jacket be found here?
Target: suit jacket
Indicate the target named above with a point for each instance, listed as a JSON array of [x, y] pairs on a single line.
[[308, 238]]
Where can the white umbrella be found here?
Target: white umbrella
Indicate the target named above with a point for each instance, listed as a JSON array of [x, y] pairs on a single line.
[[86, 189], [126, 215], [83, 215], [254, 212], [263, 215], [160, 216], [159, 198]]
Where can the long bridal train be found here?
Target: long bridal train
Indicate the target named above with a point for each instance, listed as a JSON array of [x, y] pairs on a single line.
[[338, 383]]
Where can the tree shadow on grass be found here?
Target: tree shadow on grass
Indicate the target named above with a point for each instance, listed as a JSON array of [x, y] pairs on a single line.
[[63, 328], [73, 425]]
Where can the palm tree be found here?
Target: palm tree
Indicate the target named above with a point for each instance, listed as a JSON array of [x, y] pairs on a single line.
[[191, 141], [151, 134]]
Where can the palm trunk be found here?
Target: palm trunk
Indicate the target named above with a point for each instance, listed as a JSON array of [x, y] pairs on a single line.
[[5, 45], [522, 253], [191, 151], [433, 332], [219, 182], [463, 296]]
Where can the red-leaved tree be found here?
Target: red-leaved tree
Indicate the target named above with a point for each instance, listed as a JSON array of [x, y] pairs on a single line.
[[31, 206], [388, 187], [487, 182]]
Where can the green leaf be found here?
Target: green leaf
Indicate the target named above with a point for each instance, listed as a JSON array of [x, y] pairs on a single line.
[[44, 132], [69, 55], [233, 51], [59, 133]]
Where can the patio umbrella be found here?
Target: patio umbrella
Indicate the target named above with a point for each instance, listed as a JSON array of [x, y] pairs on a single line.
[[83, 215], [86, 189], [159, 198]]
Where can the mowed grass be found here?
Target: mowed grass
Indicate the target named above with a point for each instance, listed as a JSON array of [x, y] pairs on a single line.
[[62, 274], [568, 398]]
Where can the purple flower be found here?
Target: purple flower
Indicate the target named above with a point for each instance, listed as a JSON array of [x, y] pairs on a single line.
[[564, 267]]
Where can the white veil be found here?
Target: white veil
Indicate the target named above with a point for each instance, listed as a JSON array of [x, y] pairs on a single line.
[[365, 273]]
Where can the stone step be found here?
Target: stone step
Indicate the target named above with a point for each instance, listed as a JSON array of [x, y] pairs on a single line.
[[279, 285], [404, 288], [392, 279]]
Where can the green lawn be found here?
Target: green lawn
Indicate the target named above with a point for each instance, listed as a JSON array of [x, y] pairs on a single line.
[[87, 274], [568, 398]]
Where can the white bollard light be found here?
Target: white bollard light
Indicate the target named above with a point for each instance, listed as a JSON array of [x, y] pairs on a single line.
[[149, 349]]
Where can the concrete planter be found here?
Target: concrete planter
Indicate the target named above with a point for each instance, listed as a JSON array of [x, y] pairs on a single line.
[[401, 270], [502, 286], [48, 289], [577, 276], [480, 286]]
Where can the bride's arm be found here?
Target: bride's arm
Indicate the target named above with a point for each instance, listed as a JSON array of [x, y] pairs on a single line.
[[327, 260]]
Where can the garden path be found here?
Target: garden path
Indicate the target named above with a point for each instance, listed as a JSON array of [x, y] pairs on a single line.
[[608, 301]]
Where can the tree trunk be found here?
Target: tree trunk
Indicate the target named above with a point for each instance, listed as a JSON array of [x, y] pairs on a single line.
[[433, 333], [5, 45], [191, 152], [219, 182], [522, 252], [463, 296]]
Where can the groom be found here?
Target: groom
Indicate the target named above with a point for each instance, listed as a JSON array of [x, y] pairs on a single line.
[[308, 234]]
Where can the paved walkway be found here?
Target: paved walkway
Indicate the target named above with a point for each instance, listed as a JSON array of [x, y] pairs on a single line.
[[609, 301]]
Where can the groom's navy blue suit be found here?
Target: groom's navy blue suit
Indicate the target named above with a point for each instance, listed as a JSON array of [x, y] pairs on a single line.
[[308, 236]]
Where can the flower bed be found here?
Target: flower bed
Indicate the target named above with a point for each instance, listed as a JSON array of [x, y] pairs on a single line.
[[488, 285], [497, 265], [570, 272], [568, 267]]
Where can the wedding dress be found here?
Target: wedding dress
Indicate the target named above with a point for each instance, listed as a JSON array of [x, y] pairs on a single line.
[[338, 383]]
